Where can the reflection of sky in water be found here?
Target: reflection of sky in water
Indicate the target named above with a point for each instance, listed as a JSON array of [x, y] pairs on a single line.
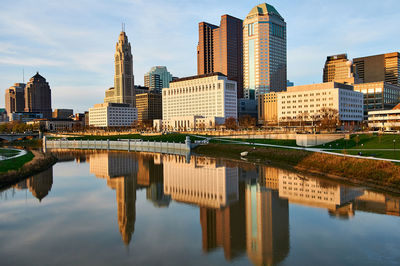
[[77, 223]]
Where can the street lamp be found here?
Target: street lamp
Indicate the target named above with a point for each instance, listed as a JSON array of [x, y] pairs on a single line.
[[394, 146]]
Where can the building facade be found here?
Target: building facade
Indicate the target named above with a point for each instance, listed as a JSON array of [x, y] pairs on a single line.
[[308, 100], [123, 90], [15, 98], [220, 49], [268, 108], [384, 67], [112, 115], [339, 69], [157, 78], [210, 96], [378, 96], [63, 113], [385, 119], [149, 107], [25, 117], [38, 96], [264, 51]]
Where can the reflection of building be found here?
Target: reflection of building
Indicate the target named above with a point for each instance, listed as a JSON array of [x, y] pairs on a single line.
[[202, 181], [225, 227], [312, 192], [377, 203], [39, 185], [120, 171], [267, 225]]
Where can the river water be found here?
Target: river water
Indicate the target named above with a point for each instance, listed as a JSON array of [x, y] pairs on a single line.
[[121, 208]]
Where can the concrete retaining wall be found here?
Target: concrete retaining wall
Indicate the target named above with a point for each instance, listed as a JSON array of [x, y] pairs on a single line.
[[123, 145], [309, 140], [263, 136]]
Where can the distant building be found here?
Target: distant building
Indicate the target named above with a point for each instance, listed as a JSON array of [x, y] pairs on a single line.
[[384, 67], [306, 101], [63, 113], [56, 124], [247, 107], [339, 69], [38, 96], [264, 51], [157, 78], [3, 115], [289, 83], [112, 115], [25, 116], [211, 97], [123, 90], [15, 98], [378, 96], [141, 89], [385, 119], [220, 49], [149, 107], [268, 108]]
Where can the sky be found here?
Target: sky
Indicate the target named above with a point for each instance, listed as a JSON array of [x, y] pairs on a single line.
[[72, 42]]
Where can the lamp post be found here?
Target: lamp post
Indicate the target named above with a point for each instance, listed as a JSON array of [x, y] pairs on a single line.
[[394, 146]]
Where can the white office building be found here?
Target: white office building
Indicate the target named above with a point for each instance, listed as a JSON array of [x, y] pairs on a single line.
[[112, 115], [308, 100], [385, 120], [199, 100]]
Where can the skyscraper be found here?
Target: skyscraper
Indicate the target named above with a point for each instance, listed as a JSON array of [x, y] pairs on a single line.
[[339, 69], [220, 49], [157, 78], [123, 90], [264, 51], [15, 98], [38, 96], [384, 67]]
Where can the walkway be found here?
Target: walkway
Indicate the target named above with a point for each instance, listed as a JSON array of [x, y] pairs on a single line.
[[326, 151], [21, 153]]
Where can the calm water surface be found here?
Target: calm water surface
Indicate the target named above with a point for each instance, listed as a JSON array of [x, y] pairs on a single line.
[[149, 209]]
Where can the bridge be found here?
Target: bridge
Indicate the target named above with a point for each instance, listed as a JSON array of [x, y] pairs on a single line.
[[17, 136]]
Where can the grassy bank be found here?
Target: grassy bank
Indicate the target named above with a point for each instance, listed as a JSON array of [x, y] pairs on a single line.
[[177, 138], [379, 174], [8, 153], [281, 142], [15, 163]]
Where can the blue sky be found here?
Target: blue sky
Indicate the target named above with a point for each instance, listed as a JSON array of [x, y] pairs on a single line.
[[72, 43]]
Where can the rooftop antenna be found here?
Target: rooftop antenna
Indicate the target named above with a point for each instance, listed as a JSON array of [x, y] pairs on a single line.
[[23, 76]]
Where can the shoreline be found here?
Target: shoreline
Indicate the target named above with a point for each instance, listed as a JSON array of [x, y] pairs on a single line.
[[312, 164], [39, 163]]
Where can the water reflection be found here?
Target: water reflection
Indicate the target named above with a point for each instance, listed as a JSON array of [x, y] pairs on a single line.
[[243, 208]]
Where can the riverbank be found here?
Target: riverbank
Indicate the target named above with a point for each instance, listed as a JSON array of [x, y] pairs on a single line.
[[34, 163], [381, 175]]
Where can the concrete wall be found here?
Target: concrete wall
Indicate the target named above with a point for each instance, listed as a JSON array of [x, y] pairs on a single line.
[[309, 140], [123, 145], [284, 136]]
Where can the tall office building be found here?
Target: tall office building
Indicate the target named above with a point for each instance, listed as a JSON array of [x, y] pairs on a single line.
[[123, 90], [384, 67], [149, 107], [339, 69], [264, 51], [157, 78], [220, 49], [15, 98], [38, 96]]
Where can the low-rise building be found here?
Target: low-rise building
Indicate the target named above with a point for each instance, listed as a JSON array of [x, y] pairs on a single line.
[[211, 96], [307, 101], [63, 113], [268, 108], [385, 119], [112, 115], [56, 124], [25, 116], [378, 96]]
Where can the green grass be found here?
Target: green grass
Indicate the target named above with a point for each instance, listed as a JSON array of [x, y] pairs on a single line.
[[281, 142], [16, 163], [8, 153], [365, 141], [177, 138]]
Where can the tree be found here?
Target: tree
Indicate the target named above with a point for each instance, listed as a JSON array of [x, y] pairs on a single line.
[[329, 118], [247, 121], [230, 123]]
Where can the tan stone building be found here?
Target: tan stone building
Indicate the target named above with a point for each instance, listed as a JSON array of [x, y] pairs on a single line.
[[383, 67], [264, 51], [123, 90], [268, 108], [38, 96], [149, 107]]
